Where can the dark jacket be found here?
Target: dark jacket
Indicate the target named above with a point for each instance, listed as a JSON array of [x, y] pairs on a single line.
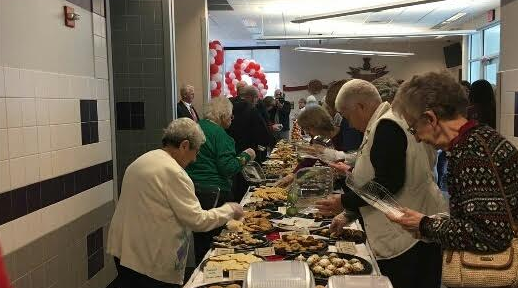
[[182, 111], [249, 129], [283, 114]]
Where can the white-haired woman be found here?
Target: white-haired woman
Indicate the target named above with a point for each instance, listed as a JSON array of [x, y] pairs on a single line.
[[217, 162], [157, 210]]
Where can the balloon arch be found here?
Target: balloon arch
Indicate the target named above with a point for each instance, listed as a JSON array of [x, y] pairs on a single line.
[[216, 62], [250, 68]]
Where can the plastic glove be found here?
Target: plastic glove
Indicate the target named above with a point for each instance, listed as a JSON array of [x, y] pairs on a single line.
[[251, 153], [277, 127], [332, 205], [338, 224], [285, 181], [341, 167], [238, 210]]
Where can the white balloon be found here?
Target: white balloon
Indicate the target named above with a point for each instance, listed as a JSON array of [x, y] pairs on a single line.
[[219, 47], [264, 91], [232, 75], [243, 66], [216, 77], [235, 81], [260, 86], [213, 52], [246, 62], [252, 71], [252, 61], [212, 60], [213, 85]]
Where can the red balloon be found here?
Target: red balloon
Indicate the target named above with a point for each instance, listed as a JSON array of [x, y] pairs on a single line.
[[228, 80], [233, 93], [218, 85], [237, 67], [239, 61], [263, 81], [226, 74], [212, 45], [218, 60], [247, 69], [215, 93], [216, 42], [214, 68], [231, 86], [237, 73]]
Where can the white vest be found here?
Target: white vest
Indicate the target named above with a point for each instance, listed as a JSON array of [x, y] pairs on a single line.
[[419, 191]]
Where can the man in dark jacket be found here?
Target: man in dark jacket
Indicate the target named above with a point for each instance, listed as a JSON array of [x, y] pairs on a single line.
[[184, 108], [281, 113], [249, 130]]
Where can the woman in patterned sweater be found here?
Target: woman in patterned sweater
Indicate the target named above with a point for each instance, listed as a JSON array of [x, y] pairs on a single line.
[[434, 105]]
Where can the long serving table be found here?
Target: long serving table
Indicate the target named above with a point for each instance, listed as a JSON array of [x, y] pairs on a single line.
[[362, 250]]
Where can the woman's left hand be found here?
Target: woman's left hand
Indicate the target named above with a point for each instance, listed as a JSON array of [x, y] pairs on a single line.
[[409, 221]]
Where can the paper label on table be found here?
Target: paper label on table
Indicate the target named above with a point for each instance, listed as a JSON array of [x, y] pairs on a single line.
[[266, 251], [237, 274], [256, 199], [212, 274], [287, 233], [282, 210], [223, 251], [346, 247]]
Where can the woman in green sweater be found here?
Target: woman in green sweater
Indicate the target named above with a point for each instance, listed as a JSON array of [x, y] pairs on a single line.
[[216, 163]]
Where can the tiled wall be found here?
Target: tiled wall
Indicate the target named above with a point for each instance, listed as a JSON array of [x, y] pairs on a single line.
[[56, 167], [509, 105], [139, 65]]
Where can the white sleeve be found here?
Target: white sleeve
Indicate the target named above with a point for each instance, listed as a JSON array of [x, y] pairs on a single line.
[[187, 208]]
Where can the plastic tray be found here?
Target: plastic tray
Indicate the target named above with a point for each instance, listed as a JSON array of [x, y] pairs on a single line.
[[285, 274], [359, 282]]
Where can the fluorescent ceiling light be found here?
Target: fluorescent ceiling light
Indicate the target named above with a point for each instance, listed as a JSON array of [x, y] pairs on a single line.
[[362, 36], [455, 17], [351, 52], [374, 8]]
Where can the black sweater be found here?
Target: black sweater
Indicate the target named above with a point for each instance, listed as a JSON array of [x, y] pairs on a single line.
[[388, 157]]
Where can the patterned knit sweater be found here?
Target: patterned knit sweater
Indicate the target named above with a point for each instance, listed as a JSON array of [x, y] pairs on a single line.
[[478, 218]]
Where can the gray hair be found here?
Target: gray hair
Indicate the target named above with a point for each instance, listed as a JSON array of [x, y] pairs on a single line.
[[183, 129], [248, 90], [357, 91], [387, 87], [436, 91], [218, 108], [183, 89]]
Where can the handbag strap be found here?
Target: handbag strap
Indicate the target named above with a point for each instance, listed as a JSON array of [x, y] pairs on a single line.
[[500, 186]]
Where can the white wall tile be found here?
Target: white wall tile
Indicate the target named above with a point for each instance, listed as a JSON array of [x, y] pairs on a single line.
[[104, 131], [32, 169], [5, 178], [12, 82], [42, 111], [27, 83], [65, 136], [63, 161], [26, 228], [4, 144], [80, 88], [2, 83], [99, 46], [28, 112], [6, 236], [507, 100], [64, 111], [17, 172], [53, 85], [507, 125], [103, 89], [14, 112], [30, 139], [3, 113], [101, 68], [16, 144], [45, 160], [44, 139], [92, 83], [40, 84], [510, 81], [99, 24], [103, 110]]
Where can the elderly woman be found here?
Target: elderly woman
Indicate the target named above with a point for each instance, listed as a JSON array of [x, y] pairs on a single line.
[[388, 156], [480, 159], [217, 162], [157, 210]]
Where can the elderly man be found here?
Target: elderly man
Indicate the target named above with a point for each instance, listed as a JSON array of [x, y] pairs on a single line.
[[184, 108], [158, 209], [281, 114], [249, 130], [389, 156]]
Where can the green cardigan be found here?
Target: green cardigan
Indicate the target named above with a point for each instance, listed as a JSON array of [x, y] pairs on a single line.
[[217, 162]]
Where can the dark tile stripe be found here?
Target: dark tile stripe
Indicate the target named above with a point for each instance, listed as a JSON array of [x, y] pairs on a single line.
[[22, 201]]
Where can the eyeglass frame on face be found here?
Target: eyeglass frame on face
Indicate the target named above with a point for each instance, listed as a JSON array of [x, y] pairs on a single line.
[[412, 128]]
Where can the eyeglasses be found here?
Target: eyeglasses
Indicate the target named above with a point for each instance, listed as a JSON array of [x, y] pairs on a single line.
[[411, 128]]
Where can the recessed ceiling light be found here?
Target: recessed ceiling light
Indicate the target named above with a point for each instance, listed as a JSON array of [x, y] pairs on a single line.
[[455, 17], [352, 52]]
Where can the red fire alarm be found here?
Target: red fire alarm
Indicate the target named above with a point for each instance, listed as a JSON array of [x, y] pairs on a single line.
[[70, 17], [491, 15]]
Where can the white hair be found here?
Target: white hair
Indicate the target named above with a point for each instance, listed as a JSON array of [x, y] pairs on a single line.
[[183, 129], [218, 108], [357, 91], [311, 99], [184, 89]]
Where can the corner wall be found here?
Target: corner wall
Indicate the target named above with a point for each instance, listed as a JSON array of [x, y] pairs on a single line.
[[56, 188]]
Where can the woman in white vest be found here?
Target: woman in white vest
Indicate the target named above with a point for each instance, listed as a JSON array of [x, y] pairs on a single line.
[[389, 156]]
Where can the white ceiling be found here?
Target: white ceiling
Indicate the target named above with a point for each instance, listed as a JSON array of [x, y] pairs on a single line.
[[272, 18]]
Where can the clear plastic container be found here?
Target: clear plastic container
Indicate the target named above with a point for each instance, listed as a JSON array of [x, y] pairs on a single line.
[[252, 172], [285, 274], [310, 185], [359, 282]]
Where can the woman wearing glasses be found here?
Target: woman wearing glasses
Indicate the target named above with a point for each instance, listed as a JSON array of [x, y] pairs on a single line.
[[482, 169]]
